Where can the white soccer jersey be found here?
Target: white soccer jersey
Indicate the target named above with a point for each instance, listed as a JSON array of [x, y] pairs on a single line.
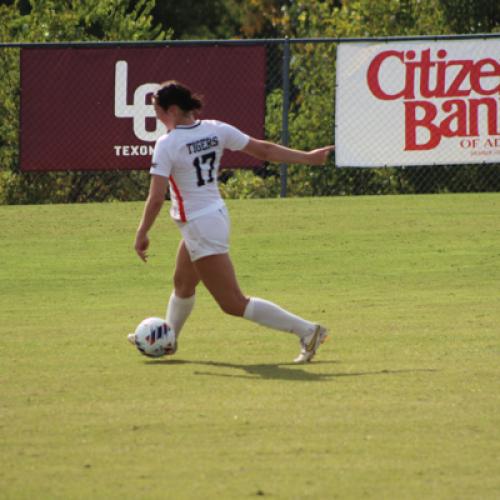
[[189, 156]]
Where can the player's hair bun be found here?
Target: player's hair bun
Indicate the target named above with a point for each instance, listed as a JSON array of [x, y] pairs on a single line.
[[173, 92]]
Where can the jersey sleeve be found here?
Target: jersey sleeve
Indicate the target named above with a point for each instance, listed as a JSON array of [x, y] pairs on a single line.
[[161, 163], [234, 138]]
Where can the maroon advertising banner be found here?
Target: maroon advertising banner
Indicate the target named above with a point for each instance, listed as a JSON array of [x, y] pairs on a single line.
[[90, 108]]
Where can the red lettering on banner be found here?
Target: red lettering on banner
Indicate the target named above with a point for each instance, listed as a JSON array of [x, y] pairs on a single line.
[[373, 75], [478, 73], [454, 80], [474, 70], [412, 124], [492, 143], [462, 120], [455, 89], [492, 110], [457, 109]]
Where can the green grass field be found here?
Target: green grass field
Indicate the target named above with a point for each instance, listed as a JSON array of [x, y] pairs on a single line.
[[403, 402]]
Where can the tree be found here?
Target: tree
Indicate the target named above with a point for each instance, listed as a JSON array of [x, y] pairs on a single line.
[[60, 20], [192, 19], [211, 19], [479, 16]]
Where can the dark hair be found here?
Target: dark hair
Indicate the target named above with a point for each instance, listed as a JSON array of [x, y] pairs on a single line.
[[173, 92]]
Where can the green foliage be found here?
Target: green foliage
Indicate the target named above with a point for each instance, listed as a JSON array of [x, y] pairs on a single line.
[[313, 70], [465, 16], [71, 187], [9, 112], [63, 20], [220, 19], [192, 19], [70, 20], [243, 184]]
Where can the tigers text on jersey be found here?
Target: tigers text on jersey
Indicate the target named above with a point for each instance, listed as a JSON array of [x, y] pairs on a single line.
[[189, 156]]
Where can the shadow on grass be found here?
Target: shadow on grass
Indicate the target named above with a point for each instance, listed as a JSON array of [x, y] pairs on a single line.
[[285, 371]]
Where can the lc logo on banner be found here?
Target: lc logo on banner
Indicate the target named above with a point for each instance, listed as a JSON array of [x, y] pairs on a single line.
[[418, 103], [140, 109]]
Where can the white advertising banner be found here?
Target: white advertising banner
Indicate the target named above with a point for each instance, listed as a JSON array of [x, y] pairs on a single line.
[[418, 103]]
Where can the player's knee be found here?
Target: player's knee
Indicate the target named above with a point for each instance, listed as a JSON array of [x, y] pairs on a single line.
[[234, 307], [183, 286]]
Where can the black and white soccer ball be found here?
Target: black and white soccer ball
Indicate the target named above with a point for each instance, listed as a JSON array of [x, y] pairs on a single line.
[[154, 338]]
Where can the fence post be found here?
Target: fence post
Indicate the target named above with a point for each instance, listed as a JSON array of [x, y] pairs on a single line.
[[286, 106]]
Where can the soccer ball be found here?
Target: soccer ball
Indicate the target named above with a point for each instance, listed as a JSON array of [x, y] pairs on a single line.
[[154, 338]]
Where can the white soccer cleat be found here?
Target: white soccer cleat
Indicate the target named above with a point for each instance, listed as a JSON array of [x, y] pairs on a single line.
[[131, 338], [310, 344]]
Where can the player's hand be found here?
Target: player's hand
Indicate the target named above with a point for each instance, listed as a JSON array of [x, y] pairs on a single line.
[[141, 246], [320, 156]]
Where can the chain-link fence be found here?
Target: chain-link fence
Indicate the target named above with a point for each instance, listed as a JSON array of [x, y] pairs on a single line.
[[296, 103]]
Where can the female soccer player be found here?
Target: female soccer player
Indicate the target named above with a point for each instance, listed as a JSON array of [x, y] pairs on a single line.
[[187, 159]]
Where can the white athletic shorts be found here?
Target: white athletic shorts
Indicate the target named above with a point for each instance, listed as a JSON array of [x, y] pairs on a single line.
[[207, 234]]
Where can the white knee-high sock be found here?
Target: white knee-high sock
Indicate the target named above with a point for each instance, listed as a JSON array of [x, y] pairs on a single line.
[[178, 311], [268, 314]]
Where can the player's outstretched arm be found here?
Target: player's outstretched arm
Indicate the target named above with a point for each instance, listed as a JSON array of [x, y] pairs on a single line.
[[156, 197], [269, 151]]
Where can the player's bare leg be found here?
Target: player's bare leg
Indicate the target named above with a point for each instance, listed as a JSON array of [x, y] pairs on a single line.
[[217, 274], [186, 277], [182, 299]]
